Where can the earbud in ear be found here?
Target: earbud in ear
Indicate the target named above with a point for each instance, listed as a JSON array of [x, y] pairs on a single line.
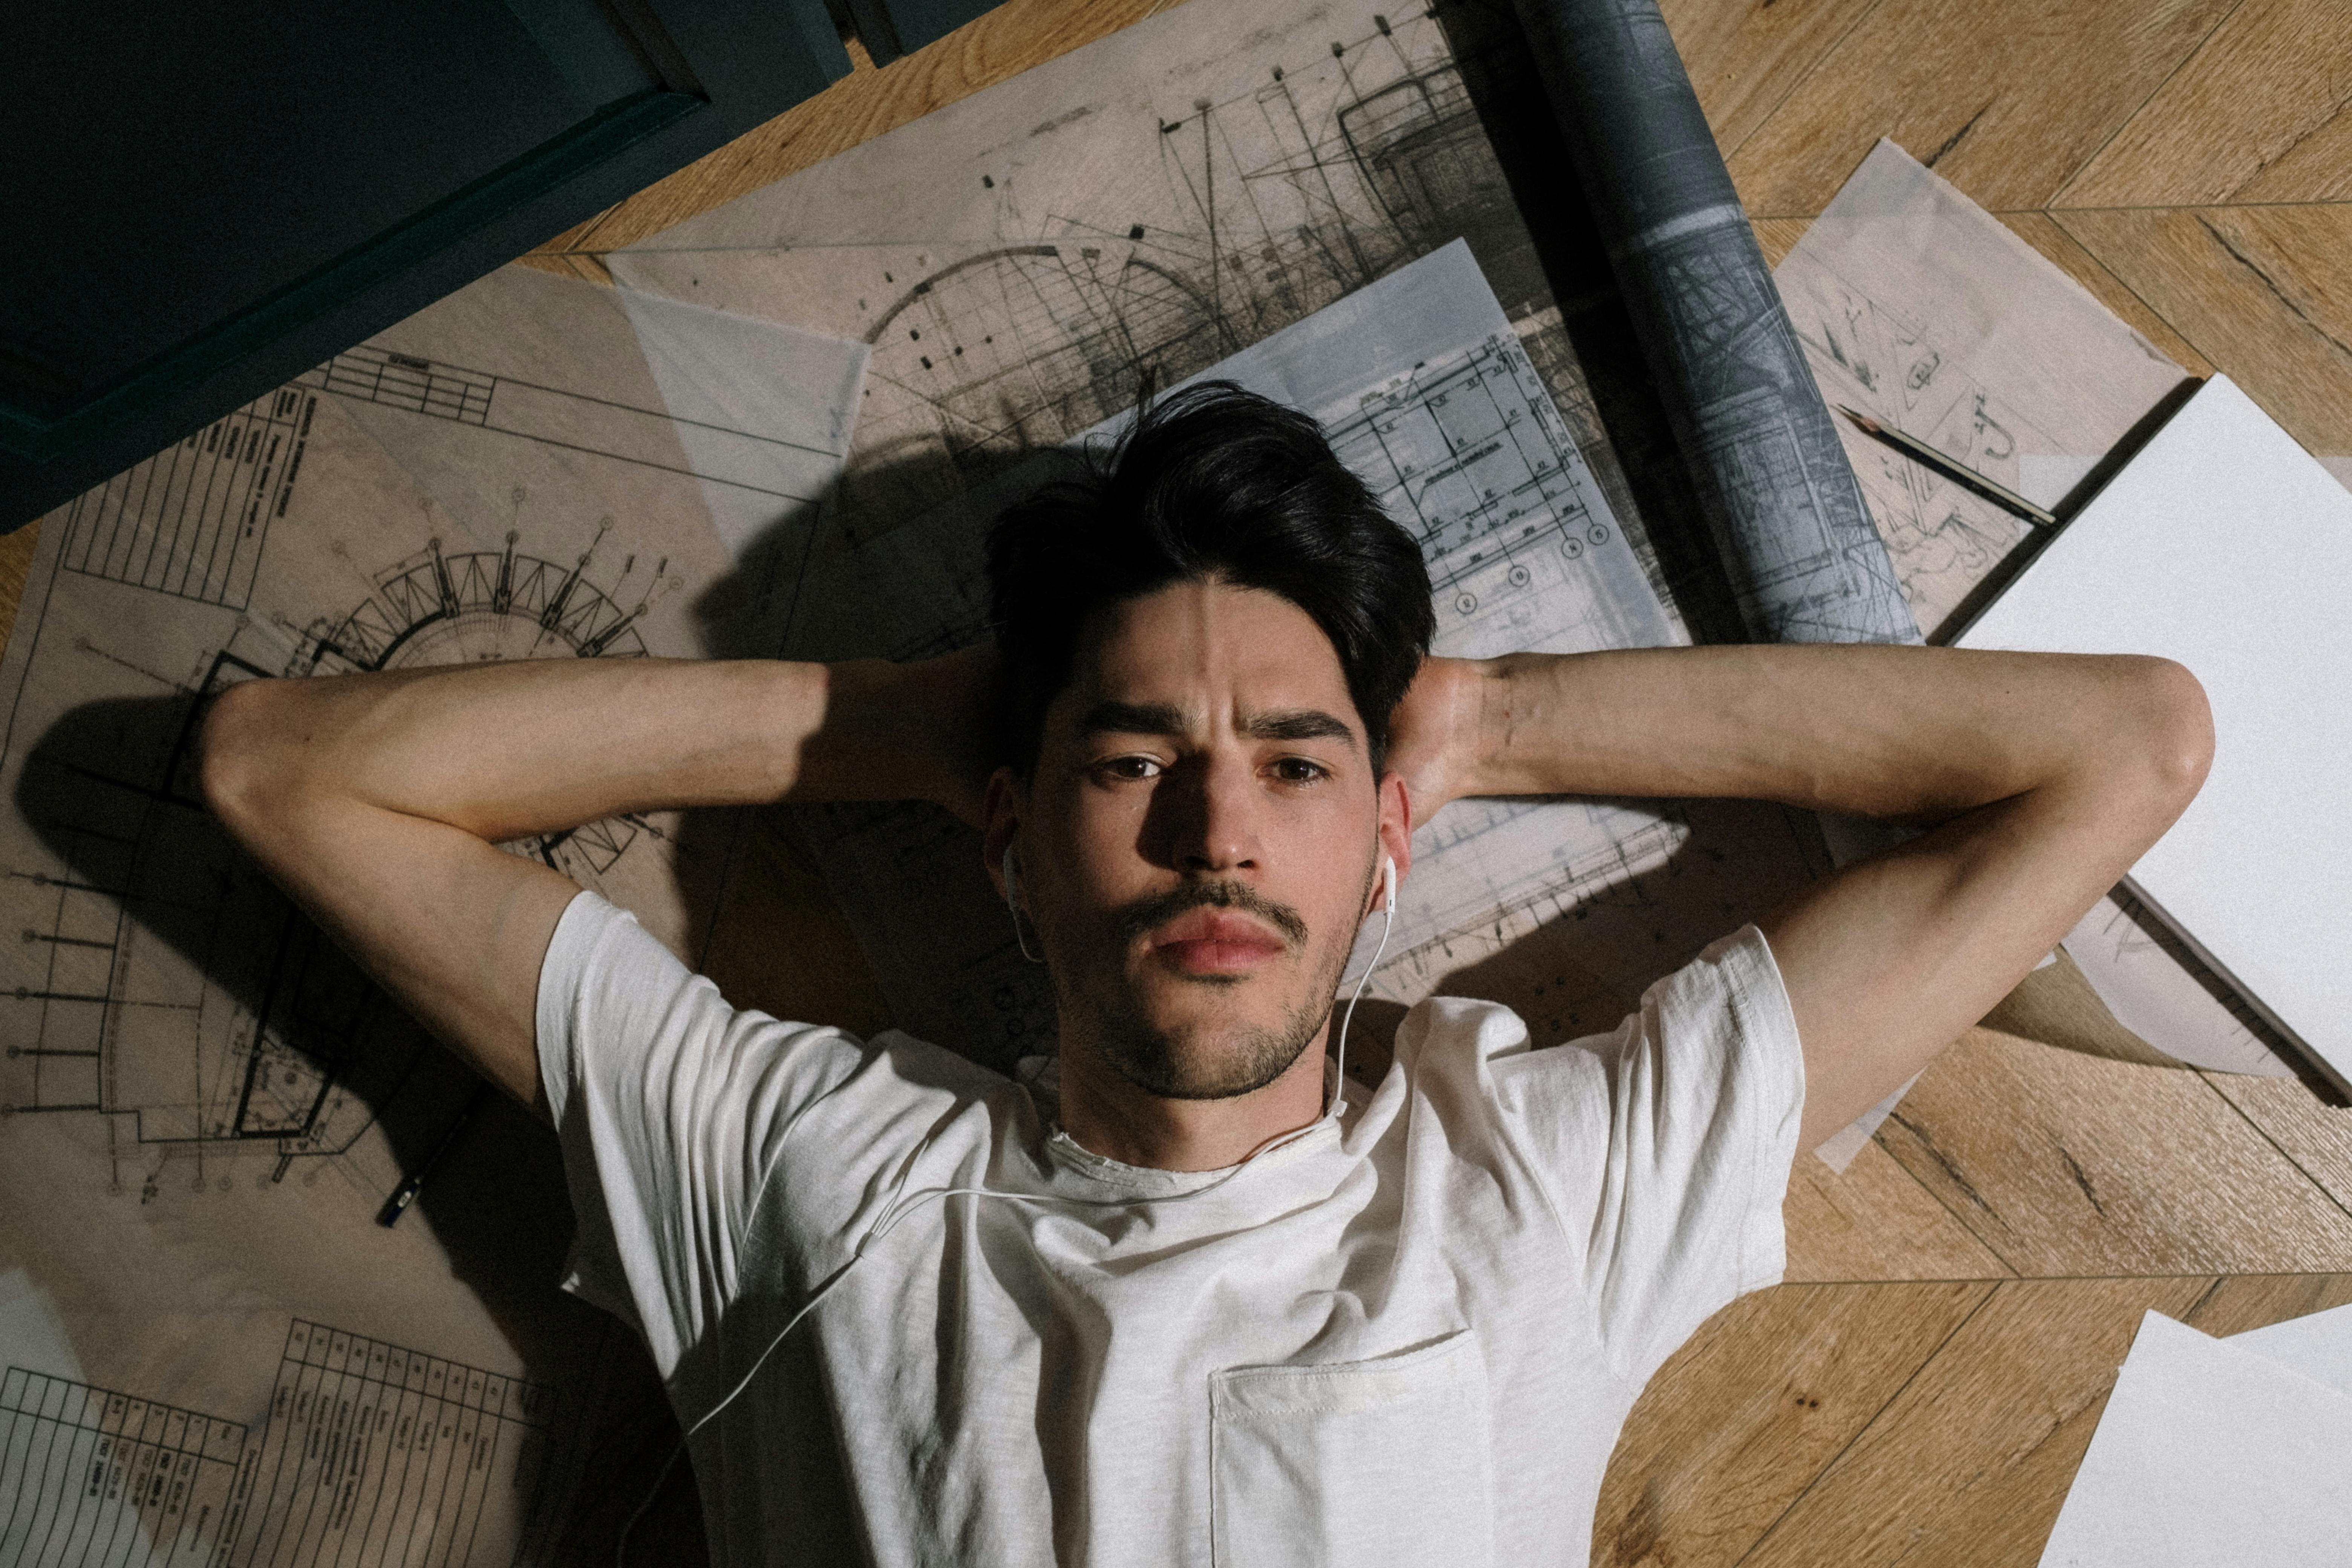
[[1388, 883], [1012, 904]]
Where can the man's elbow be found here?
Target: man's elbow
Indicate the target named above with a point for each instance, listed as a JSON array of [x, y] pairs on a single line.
[[2173, 724], [242, 761]]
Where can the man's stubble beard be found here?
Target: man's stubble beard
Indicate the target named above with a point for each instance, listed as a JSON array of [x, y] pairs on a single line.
[[1150, 1059]]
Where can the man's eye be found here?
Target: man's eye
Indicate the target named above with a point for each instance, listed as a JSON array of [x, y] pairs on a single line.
[[1298, 770], [1131, 768]]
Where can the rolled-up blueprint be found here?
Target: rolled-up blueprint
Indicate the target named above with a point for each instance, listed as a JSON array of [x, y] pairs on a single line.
[[1805, 562]]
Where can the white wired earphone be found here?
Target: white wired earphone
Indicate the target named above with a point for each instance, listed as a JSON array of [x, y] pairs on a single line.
[[903, 1203]]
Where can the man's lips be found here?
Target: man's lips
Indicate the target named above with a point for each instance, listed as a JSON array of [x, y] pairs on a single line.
[[1214, 941]]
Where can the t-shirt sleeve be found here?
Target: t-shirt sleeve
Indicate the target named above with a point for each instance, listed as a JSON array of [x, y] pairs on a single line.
[[1671, 1139], [670, 1106]]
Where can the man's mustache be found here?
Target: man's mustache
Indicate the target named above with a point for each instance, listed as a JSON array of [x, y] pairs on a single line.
[[1145, 915]]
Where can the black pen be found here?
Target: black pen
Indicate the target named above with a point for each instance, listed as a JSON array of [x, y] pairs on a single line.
[[1968, 479], [405, 1193]]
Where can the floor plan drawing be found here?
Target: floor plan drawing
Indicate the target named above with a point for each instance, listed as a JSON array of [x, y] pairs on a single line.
[[387, 511], [203, 1101]]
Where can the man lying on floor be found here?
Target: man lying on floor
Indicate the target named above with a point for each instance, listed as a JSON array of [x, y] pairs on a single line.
[[1180, 1295]]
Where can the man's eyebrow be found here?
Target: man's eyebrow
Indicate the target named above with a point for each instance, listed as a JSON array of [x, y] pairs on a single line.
[[1165, 718], [1298, 724], [1132, 718]]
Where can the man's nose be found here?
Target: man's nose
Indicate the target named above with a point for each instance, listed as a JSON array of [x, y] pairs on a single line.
[[1214, 824]]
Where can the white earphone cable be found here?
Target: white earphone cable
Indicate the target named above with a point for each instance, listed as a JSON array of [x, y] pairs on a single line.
[[903, 1204]]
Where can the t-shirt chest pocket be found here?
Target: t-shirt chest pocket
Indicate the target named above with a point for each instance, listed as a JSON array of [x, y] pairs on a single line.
[[1367, 1464]]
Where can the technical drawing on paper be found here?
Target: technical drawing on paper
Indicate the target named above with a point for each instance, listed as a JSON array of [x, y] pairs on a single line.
[[479, 606], [1334, 175], [486, 605], [172, 990], [163, 984], [203, 1101], [1141, 208], [180, 997], [94, 1477], [371, 1452], [389, 509], [191, 520]]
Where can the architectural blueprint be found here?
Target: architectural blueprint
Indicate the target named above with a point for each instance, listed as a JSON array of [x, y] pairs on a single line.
[[201, 1102], [1781, 503], [1021, 260], [371, 1454], [1919, 307]]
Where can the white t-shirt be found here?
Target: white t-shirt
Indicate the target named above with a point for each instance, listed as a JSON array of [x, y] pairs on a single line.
[[1410, 1337]]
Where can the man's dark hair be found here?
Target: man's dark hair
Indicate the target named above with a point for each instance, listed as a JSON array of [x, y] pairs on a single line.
[[1210, 481]]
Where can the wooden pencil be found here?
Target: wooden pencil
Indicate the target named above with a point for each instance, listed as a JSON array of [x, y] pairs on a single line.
[[1968, 479]]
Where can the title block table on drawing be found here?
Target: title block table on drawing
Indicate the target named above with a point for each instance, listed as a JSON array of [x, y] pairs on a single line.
[[379, 1455], [372, 1455], [91, 1477]]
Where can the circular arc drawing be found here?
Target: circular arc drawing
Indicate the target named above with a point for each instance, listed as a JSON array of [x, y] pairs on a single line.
[[486, 607]]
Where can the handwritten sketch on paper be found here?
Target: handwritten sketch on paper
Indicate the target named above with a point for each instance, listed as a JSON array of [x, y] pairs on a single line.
[[207, 1098], [1917, 306]]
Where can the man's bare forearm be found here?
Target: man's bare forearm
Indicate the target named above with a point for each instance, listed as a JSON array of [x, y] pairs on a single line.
[[375, 800], [1898, 733], [2046, 778], [503, 750]]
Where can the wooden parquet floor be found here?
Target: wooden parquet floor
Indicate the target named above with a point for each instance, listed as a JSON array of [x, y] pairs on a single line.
[[1923, 1387]]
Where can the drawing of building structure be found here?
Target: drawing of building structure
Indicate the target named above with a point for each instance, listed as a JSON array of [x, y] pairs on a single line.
[[185, 1001], [1260, 206], [446, 495], [182, 1000]]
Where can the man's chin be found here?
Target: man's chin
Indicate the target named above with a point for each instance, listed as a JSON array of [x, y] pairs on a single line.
[[1203, 1059], [1202, 1080]]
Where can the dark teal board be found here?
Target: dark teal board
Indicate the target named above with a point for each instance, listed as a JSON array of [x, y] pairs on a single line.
[[206, 199], [889, 28]]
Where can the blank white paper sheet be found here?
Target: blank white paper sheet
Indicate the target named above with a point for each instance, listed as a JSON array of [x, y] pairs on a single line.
[[2208, 1454], [2227, 547]]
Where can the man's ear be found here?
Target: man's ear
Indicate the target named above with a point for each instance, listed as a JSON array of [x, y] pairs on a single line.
[[1396, 831], [1000, 820]]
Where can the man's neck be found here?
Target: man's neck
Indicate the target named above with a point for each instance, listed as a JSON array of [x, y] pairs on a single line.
[[1107, 1115]]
